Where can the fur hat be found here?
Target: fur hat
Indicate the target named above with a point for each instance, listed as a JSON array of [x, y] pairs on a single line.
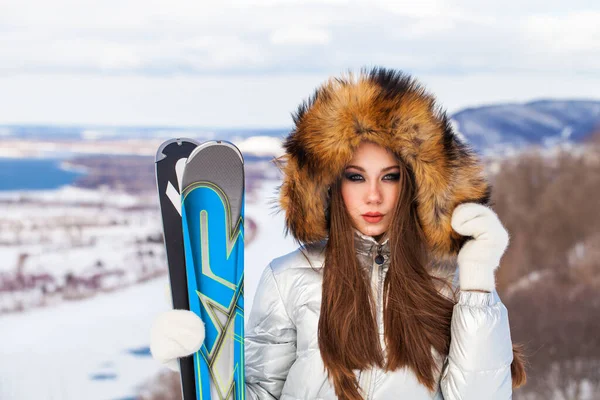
[[390, 108]]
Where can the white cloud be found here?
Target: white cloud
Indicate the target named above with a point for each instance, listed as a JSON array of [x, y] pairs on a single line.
[[261, 36], [416, 8], [152, 49], [300, 35], [572, 32], [272, 3], [213, 52], [101, 53]]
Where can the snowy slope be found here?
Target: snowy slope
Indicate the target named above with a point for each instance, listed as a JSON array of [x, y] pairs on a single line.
[[98, 348], [496, 128], [61, 349]]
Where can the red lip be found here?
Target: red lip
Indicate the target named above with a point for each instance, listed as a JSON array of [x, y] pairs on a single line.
[[373, 218]]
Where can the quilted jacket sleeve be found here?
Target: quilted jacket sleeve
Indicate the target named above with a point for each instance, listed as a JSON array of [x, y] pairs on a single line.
[[270, 341], [478, 363]]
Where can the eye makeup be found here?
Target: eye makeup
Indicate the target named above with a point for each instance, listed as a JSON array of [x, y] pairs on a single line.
[[354, 177]]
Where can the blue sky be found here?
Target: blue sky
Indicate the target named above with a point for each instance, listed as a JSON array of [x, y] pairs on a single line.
[[250, 63]]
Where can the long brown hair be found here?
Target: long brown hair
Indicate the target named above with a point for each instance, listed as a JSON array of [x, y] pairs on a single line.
[[416, 315]]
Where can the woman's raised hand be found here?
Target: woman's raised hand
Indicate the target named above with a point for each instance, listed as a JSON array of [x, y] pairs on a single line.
[[479, 257]]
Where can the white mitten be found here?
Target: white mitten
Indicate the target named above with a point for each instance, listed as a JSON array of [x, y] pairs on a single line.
[[175, 334], [479, 257]]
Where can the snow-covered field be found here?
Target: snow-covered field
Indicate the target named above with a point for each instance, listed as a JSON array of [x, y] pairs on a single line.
[[74, 242], [20, 148], [97, 348]]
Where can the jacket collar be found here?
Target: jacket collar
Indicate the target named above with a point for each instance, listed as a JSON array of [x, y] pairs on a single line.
[[367, 245]]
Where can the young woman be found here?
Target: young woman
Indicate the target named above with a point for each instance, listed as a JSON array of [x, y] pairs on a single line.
[[392, 294]]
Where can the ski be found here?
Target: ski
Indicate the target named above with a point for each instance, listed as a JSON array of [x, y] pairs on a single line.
[[170, 163], [212, 201]]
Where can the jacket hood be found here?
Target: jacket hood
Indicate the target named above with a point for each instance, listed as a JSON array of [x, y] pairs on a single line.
[[389, 108]]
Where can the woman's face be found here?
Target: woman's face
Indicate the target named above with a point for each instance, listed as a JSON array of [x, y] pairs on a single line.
[[370, 185]]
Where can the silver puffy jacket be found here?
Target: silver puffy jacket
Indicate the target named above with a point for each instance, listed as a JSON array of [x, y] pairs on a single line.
[[282, 354]]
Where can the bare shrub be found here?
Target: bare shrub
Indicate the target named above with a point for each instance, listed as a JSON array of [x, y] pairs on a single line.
[[548, 206], [550, 275], [166, 386]]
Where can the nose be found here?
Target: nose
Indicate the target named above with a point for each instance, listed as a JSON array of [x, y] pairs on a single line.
[[374, 195]]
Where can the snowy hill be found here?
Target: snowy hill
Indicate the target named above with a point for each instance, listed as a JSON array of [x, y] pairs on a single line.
[[96, 348], [498, 128]]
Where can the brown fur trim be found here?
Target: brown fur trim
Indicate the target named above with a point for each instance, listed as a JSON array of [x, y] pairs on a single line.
[[391, 109]]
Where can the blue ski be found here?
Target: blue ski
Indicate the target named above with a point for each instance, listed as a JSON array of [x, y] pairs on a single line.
[[213, 232]]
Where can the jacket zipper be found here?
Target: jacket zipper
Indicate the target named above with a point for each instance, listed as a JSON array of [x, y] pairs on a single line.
[[375, 278]]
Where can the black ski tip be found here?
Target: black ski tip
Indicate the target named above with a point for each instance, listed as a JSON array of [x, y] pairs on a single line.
[[160, 152]]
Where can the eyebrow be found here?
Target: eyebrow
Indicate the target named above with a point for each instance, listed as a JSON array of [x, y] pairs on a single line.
[[363, 170]]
